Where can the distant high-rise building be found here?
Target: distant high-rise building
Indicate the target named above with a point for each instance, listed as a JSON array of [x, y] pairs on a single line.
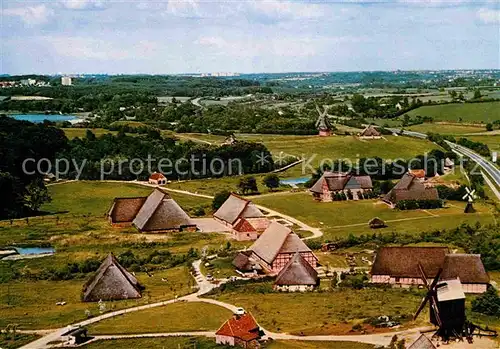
[[66, 80]]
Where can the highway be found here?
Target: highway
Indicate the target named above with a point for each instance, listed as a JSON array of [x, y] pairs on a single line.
[[489, 167]]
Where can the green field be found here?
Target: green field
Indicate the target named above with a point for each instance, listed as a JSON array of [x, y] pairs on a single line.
[[77, 228], [445, 128], [333, 312], [80, 132], [493, 142], [95, 198], [177, 317], [205, 343], [338, 219], [461, 112], [32, 304]]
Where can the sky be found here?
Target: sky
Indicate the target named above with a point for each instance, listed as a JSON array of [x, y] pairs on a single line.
[[246, 36]]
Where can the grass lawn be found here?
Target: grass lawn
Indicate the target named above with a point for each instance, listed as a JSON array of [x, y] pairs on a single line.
[[206, 343], [467, 112], [448, 129], [17, 342], [493, 141], [76, 238], [323, 313], [212, 186], [220, 268], [178, 317], [156, 343], [80, 132], [317, 345], [32, 304], [330, 148], [338, 219], [95, 198]]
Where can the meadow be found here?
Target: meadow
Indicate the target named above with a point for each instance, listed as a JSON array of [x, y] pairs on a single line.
[[333, 312], [75, 225], [81, 132], [339, 219], [177, 317], [206, 343], [446, 128], [461, 112]]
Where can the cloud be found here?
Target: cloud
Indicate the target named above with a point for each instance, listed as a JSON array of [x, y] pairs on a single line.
[[291, 46], [83, 4], [488, 16], [287, 9], [31, 15], [87, 48]]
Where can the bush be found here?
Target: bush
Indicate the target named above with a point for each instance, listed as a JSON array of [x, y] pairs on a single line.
[[219, 199], [418, 204], [488, 303]]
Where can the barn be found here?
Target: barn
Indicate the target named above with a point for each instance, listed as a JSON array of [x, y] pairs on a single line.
[[276, 246], [111, 282]]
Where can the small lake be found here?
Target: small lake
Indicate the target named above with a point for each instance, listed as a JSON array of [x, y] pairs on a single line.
[[294, 181], [34, 250], [37, 118]]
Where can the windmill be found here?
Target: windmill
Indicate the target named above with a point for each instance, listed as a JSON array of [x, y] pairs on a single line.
[[447, 305], [447, 309], [469, 196], [323, 123]]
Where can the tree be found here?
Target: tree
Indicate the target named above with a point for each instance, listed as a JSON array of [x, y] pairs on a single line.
[[272, 181], [247, 184], [477, 94], [488, 303], [219, 199], [36, 195], [489, 126]]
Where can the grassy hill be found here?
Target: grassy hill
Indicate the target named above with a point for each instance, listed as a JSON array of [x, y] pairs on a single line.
[[461, 112]]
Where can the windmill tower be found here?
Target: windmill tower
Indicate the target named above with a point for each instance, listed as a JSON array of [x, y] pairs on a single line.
[[470, 196], [323, 123]]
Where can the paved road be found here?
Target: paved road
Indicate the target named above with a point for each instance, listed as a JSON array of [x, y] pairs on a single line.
[[408, 133], [492, 170]]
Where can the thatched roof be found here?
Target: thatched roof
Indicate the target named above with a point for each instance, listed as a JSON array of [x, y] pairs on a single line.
[[340, 181], [297, 272], [236, 207], [125, 209], [370, 131], [277, 239], [111, 282], [376, 223], [467, 267], [244, 262], [403, 261], [409, 188], [161, 212], [422, 343]]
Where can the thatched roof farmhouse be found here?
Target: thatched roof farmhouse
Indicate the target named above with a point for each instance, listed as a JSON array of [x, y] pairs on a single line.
[[111, 282]]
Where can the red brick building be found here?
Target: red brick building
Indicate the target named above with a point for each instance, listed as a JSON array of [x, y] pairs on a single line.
[[241, 331]]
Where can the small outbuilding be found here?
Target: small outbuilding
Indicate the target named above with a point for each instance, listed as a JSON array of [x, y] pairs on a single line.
[[111, 282], [157, 179], [241, 330], [370, 132], [376, 223]]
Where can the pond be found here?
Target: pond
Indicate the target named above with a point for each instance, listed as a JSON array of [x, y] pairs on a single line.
[[34, 250], [293, 182], [38, 118]]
